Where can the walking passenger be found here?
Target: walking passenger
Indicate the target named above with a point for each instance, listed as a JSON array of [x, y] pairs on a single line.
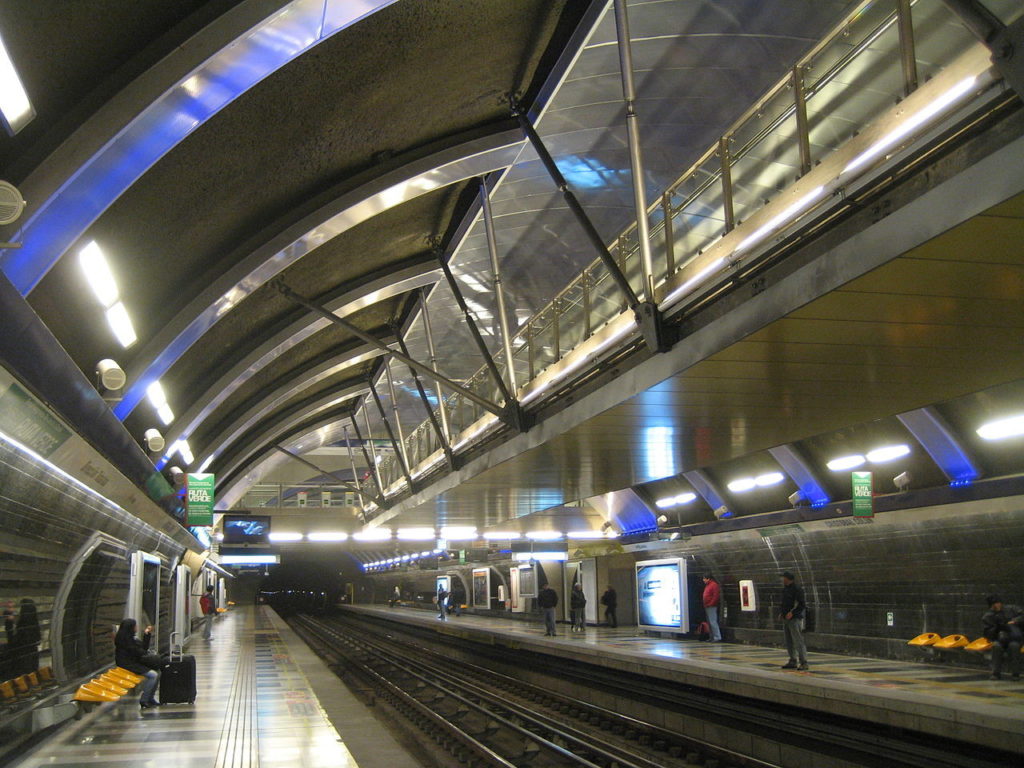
[[1004, 626], [396, 596], [442, 600], [208, 605], [794, 608], [577, 607], [23, 638], [132, 654], [610, 602], [712, 599], [547, 599]]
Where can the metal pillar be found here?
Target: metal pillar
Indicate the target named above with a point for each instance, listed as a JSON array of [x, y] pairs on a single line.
[[429, 333], [355, 474], [726, 165], [373, 449], [907, 55], [394, 409], [399, 454], [492, 247], [1005, 42], [379, 501], [636, 164], [373, 341], [802, 131], [670, 235], [371, 463], [442, 433]]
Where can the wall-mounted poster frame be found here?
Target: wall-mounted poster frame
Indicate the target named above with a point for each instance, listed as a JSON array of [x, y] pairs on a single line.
[[481, 587], [748, 598], [661, 598], [527, 581], [443, 580]]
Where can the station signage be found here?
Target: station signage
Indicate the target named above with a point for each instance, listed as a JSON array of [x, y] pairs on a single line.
[[200, 498], [862, 496]]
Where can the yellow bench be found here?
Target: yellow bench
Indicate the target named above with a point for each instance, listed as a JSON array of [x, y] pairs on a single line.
[[951, 643], [925, 640]]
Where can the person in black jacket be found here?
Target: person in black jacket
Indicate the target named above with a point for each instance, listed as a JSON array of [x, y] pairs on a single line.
[[577, 607], [1004, 626], [610, 601], [23, 638], [547, 600], [794, 606], [129, 653]]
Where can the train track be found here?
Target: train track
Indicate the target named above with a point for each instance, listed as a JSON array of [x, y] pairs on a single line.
[[484, 718]]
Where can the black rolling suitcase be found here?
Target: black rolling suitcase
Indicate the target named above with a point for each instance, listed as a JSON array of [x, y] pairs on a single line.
[[178, 679]]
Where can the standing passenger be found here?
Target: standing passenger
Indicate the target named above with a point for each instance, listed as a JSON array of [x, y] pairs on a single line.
[[1002, 625], [712, 599], [610, 601], [577, 607], [442, 598], [395, 597], [23, 638], [128, 654], [208, 605], [547, 600], [794, 605]]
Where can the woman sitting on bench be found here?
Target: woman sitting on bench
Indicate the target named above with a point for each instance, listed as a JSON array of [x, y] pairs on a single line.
[[133, 654]]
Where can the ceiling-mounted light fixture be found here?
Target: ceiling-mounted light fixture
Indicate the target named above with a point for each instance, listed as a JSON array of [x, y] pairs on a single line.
[[15, 107], [154, 440]]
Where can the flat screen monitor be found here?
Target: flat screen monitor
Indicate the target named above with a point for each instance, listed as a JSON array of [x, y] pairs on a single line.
[[661, 594], [246, 531]]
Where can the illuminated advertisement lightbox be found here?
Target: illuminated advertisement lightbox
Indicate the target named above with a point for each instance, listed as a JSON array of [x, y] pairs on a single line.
[[661, 594]]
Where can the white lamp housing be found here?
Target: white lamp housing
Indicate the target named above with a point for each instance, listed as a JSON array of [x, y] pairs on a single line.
[[110, 375], [154, 440], [902, 480]]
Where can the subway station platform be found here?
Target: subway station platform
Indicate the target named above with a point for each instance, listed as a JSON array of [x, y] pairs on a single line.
[[263, 699], [938, 699]]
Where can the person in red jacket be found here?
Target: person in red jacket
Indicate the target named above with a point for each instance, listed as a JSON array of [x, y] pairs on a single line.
[[712, 599]]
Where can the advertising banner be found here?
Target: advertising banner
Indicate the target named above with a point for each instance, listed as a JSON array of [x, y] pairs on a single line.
[[862, 498], [661, 594], [200, 498]]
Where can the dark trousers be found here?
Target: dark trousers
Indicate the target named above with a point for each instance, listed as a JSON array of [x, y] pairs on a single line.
[[1008, 644], [609, 616], [549, 621]]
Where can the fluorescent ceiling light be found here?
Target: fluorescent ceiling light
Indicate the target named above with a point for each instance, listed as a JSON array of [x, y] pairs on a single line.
[[426, 552], [741, 485], [250, 559], [98, 274], [502, 534], [668, 501], [780, 219], [770, 478], [185, 452], [675, 501], [166, 415], [285, 536], [156, 395], [527, 556], [416, 534], [1001, 429], [328, 536], [17, 109], [206, 464], [373, 534], [544, 535], [845, 462], [585, 534], [887, 453], [121, 324], [891, 138], [458, 532]]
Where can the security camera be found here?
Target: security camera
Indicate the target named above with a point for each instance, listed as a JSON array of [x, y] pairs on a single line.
[[110, 379], [902, 480], [723, 511], [154, 440], [795, 498]]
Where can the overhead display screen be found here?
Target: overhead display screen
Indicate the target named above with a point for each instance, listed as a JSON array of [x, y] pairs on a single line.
[[248, 531], [660, 594]]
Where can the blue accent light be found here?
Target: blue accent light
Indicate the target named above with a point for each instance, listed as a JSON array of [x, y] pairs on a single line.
[[162, 125], [589, 173], [935, 435], [799, 470]]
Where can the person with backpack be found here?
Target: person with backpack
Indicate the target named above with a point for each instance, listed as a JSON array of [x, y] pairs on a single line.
[[610, 602], [577, 607], [208, 605], [712, 598], [442, 599]]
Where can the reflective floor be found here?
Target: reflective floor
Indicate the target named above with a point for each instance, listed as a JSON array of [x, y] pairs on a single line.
[[254, 708]]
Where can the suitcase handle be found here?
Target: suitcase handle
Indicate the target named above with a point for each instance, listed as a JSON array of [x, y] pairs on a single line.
[[181, 647]]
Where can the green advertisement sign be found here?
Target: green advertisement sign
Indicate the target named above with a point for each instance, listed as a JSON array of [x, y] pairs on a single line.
[[199, 488], [29, 423], [862, 497]]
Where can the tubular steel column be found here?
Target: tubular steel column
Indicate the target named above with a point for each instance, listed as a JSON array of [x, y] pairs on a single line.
[[441, 437], [907, 54], [373, 448], [428, 331], [355, 475], [643, 232], [726, 162], [394, 410], [399, 453], [670, 235], [802, 132], [492, 247], [370, 463]]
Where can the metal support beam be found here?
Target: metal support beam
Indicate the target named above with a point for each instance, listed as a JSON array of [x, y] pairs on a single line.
[[370, 463], [394, 409], [374, 465], [655, 333], [908, 57], [379, 501], [706, 487], [355, 474], [643, 233], [1005, 42], [811, 486], [429, 333], [802, 132], [492, 248], [942, 444], [440, 430], [670, 235], [427, 371], [725, 162], [511, 414], [399, 453]]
